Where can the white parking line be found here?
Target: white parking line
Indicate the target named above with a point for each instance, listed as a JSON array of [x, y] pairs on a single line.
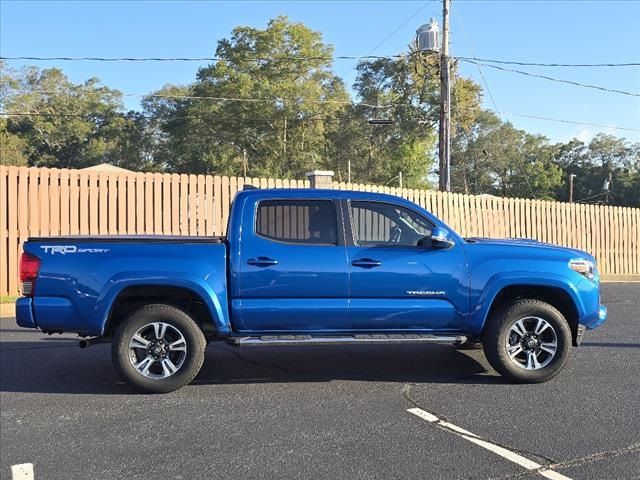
[[23, 471], [492, 447]]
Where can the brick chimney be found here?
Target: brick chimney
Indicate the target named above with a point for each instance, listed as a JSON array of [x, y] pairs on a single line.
[[320, 178]]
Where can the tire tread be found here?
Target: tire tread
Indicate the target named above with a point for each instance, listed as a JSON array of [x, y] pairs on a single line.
[[503, 365], [120, 346]]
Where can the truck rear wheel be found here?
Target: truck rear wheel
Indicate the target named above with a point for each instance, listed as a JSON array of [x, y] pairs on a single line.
[[527, 341], [158, 349]]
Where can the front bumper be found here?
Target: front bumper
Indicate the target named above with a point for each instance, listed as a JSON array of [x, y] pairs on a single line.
[[24, 313], [602, 316]]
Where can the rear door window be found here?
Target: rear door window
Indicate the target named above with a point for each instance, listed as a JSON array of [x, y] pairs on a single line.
[[306, 222]]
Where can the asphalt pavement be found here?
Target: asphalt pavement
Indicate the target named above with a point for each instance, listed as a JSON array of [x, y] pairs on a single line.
[[326, 412]]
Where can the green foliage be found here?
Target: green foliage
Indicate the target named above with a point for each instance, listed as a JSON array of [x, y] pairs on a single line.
[[12, 147], [406, 91], [299, 116], [69, 125], [494, 157], [284, 134], [593, 163]]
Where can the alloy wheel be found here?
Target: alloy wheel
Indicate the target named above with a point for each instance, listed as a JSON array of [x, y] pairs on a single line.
[[157, 350], [531, 343]]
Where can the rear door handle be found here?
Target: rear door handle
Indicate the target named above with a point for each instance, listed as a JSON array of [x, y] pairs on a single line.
[[262, 261], [366, 263]]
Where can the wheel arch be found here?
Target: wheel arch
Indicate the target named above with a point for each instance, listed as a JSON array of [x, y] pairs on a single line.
[[190, 297], [555, 296], [556, 290]]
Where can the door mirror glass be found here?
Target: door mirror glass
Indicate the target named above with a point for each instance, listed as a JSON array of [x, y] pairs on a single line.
[[441, 238]]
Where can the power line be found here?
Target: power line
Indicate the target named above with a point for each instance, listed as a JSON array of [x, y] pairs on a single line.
[[535, 64], [202, 59], [553, 79], [591, 197], [306, 58], [468, 40], [536, 117], [224, 99], [369, 56], [383, 41], [199, 115], [364, 57], [399, 27], [486, 85]]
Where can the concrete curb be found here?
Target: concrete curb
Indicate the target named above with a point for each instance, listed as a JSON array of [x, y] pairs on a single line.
[[620, 278]]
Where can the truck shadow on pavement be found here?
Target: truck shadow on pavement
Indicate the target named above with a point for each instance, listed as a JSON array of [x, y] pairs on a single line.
[[62, 367]]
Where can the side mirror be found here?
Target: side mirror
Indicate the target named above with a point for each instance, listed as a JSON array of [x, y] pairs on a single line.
[[440, 238]]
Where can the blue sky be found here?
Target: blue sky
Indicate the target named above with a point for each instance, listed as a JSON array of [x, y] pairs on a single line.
[[538, 31]]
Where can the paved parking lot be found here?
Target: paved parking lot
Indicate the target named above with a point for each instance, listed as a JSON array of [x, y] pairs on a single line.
[[326, 412]]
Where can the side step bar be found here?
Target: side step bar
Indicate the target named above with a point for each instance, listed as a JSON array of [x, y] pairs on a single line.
[[364, 339]]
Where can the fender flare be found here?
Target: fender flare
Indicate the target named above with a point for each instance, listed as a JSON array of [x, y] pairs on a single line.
[[116, 285], [500, 281]]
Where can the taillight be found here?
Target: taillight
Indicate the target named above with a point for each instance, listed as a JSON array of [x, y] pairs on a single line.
[[29, 267]]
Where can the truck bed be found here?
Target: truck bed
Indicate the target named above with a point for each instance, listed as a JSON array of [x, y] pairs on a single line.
[[81, 276], [131, 238]]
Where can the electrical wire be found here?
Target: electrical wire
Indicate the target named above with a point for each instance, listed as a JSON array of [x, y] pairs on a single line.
[[534, 117], [591, 197], [203, 59], [553, 79], [470, 44], [486, 85], [308, 58], [398, 28], [535, 64], [220, 99], [253, 120]]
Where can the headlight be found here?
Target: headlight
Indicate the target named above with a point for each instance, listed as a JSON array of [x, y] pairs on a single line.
[[583, 267]]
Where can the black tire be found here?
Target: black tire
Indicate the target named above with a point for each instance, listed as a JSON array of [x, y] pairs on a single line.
[[191, 360], [496, 336]]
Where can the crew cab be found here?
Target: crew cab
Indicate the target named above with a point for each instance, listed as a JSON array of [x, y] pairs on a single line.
[[308, 267]]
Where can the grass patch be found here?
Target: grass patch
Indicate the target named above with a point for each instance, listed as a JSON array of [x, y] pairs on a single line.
[[8, 299]]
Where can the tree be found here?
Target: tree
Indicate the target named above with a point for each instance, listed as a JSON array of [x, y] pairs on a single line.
[[405, 90], [494, 157], [56, 123], [12, 147], [291, 99], [595, 162]]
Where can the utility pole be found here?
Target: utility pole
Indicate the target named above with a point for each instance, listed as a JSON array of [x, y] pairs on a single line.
[[400, 179], [245, 164], [444, 143], [606, 188], [571, 177]]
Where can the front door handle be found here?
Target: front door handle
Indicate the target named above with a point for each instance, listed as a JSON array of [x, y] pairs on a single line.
[[262, 261], [366, 263]]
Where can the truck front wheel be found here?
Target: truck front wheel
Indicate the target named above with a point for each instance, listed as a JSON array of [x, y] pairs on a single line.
[[158, 349], [527, 341]]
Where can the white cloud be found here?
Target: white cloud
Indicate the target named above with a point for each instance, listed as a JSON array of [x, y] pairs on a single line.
[[584, 135]]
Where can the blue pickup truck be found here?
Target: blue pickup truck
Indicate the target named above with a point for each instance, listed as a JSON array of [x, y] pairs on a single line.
[[309, 267]]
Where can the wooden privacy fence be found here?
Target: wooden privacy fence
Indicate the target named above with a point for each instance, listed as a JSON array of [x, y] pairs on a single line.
[[42, 201]]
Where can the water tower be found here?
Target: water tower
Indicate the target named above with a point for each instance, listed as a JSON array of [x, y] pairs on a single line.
[[428, 37]]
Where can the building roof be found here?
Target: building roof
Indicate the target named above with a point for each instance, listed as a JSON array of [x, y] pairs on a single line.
[[105, 167]]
